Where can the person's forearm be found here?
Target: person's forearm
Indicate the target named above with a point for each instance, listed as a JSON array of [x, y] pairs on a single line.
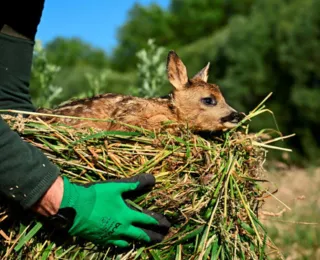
[[15, 72], [25, 172], [50, 202]]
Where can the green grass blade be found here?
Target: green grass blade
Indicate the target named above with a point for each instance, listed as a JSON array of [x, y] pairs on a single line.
[[47, 251], [155, 254], [139, 252], [28, 236]]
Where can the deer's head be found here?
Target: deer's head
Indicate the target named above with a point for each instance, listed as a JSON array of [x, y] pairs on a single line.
[[197, 102]]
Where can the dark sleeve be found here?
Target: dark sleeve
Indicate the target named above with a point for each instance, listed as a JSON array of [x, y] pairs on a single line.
[[25, 172]]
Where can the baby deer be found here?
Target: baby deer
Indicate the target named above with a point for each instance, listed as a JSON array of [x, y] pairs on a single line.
[[193, 101]]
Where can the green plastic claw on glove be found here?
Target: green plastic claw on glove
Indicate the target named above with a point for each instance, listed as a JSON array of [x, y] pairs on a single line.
[[103, 217]]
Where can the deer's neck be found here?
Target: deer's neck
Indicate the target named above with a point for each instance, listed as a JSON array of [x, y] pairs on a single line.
[[165, 107]]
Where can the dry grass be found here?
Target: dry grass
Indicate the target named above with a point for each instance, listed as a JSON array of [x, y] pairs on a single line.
[[293, 223], [209, 188]]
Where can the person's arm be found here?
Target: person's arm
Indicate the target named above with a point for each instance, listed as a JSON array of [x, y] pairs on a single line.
[[15, 71], [25, 172]]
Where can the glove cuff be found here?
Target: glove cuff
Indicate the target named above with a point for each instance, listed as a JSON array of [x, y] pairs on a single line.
[[80, 199], [70, 194]]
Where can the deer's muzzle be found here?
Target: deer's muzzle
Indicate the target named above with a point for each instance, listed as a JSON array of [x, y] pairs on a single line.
[[234, 118]]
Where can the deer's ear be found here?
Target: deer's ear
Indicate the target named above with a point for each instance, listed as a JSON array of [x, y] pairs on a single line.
[[177, 72], [203, 74]]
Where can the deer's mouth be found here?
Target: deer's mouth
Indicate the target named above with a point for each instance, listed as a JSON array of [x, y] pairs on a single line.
[[232, 119]]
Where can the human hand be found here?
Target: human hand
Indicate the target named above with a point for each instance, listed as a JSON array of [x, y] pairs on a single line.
[[103, 217]]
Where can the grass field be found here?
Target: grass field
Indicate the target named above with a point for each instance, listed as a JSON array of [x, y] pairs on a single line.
[[295, 226]]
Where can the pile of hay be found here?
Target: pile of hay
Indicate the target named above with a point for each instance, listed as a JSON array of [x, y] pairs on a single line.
[[208, 188]]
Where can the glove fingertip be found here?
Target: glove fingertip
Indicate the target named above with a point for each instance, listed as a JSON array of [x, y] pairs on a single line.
[[141, 184], [154, 236], [161, 219], [146, 180]]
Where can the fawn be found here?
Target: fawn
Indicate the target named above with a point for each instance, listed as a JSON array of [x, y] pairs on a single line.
[[192, 101]]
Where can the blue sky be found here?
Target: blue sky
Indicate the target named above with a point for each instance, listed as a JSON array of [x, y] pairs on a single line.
[[95, 22]]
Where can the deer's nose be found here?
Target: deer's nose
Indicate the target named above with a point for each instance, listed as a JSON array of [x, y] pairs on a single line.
[[233, 117]]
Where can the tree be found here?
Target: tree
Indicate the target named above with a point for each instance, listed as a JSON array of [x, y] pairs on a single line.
[[192, 19], [71, 68], [184, 22], [150, 22], [74, 52]]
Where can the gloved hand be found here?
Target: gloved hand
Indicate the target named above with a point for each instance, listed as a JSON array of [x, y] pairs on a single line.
[[103, 217]]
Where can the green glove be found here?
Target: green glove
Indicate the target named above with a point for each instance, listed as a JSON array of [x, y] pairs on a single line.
[[103, 217]]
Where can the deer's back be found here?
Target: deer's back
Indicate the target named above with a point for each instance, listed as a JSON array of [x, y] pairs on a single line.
[[147, 113]]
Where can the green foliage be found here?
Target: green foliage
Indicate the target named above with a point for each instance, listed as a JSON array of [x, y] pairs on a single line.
[[184, 22], [96, 82], [78, 81], [74, 52], [151, 71], [81, 81], [80, 73], [193, 19], [79, 70], [151, 22], [42, 89]]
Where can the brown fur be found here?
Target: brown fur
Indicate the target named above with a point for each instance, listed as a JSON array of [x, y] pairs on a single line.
[[183, 106]]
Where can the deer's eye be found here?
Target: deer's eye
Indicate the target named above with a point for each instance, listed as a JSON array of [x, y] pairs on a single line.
[[209, 101]]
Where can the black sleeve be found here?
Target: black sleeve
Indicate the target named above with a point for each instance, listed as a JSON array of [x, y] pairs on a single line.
[[25, 172]]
